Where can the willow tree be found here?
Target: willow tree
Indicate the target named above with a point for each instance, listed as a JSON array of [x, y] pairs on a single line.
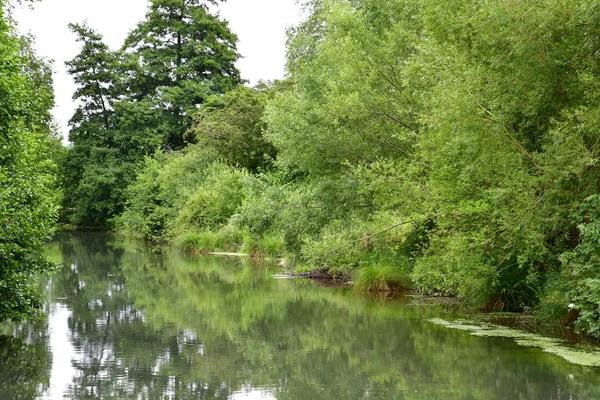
[[477, 117]]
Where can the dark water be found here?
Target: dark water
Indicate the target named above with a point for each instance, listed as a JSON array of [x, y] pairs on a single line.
[[128, 322]]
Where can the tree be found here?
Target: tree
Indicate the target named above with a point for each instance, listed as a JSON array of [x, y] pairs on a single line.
[[232, 125], [94, 72], [27, 207], [182, 54], [349, 103], [94, 170]]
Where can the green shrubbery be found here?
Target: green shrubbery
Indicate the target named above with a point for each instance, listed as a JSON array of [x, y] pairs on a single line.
[[214, 201], [176, 194], [577, 289], [28, 195], [446, 146], [162, 187]]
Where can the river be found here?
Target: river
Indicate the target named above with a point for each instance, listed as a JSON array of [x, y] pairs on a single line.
[[130, 321]]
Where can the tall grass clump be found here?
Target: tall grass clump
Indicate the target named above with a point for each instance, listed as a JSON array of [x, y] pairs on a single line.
[[273, 245], [251, 244], [381, 277], [228, 239], [198, 242]]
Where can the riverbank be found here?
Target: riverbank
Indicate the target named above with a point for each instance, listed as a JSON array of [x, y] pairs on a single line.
[[289, 268], [157, 321], [524, 321]]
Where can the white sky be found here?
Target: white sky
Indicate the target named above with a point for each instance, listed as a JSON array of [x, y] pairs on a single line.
[[259, 24], [63, 352]]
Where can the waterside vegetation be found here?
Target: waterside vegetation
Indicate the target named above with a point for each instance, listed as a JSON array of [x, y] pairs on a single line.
[[450, 148], [28, 193]]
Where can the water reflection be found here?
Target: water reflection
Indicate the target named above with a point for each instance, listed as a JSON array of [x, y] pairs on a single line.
[[127, 322], [25, 361], [63, 352]]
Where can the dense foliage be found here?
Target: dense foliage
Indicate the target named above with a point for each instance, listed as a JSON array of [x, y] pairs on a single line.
[[138, 100], [27, 194], [445, 146]]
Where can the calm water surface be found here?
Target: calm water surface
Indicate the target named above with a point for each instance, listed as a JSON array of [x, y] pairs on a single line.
[[126, 321]]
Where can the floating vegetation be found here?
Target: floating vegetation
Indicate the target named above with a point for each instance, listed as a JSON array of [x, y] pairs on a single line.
[[589, 358]]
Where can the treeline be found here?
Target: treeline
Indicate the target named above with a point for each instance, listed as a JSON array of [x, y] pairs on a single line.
[[451, 147], [139, 99]]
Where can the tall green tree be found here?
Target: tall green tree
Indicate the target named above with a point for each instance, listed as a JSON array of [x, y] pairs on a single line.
[[95, 168], [94, 71], [182, 54], [27, 199], [350, 103]]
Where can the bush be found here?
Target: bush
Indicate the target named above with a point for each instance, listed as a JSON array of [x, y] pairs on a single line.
[[214, 201], [162, 186], [578, 286], [298, 209]]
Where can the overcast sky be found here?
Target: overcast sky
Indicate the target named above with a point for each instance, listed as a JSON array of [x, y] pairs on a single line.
[[259, 24]]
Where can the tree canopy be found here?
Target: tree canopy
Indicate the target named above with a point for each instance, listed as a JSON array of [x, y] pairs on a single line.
[[28, 207]]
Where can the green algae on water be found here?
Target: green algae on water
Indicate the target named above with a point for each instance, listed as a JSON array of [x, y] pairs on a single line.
[[549, 345]]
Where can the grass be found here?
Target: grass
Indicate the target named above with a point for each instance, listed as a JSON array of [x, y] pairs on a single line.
[[269, 246], [226, 239], [381, 278], [251, 246], [273, 245], [199, 242], [230, 238]]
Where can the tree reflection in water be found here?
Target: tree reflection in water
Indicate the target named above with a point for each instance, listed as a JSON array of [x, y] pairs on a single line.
[[25, 361], [156, 325]]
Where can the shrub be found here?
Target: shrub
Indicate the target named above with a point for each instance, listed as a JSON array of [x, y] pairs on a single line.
[[163, 184], [214, 201], [578, 288]]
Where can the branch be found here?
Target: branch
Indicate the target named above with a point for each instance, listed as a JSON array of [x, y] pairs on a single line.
[[493, 118], [510, 137], [384, 76], [368, 237]]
